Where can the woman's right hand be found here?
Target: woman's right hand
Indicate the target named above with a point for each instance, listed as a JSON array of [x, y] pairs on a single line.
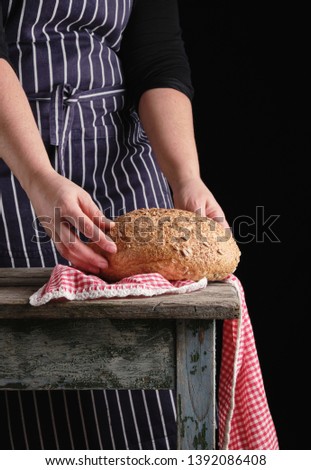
[[60, 206]]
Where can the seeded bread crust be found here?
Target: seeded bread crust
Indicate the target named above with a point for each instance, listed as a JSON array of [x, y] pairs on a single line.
[[175, 243]]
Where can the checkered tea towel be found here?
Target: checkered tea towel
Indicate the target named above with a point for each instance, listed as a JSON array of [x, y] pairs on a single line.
[[244, 417], [69, 283]]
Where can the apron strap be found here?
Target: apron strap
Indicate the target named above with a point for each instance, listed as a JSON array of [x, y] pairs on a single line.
[[63, 100]]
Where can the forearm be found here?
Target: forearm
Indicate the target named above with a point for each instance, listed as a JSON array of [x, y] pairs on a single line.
[[166, 115], [21, 146]]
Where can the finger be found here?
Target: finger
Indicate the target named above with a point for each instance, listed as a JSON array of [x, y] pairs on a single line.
[[80, 254], [83, 261], [85, 225], [89, 208], [218, 215]]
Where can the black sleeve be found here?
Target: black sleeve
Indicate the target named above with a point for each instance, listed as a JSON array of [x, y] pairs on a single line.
[[152, 49], [3, 46]]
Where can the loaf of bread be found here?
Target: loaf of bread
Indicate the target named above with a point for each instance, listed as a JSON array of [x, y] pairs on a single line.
[[175, 243]]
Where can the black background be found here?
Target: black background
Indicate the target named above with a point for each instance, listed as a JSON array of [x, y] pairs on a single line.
[[251, 107]]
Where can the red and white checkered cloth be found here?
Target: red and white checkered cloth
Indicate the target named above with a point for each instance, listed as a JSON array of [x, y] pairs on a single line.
[[244, 417], [69, 283], [245, 421]]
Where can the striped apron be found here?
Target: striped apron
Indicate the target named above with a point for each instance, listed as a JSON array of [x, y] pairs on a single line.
[[65, 53]]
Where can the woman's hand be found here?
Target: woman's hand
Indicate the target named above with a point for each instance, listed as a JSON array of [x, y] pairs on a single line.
[[193, 195], [61, 205]]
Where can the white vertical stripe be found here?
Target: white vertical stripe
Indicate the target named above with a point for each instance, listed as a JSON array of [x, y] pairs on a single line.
[[18, 37], [107, 146], [53, 420], [80, 17], [78, 61], [54, 252], [109, 50], [9, 7], [83, 144], [151, 158], [122, 420], [102, 64], [95, 157], [38, 419], [34, 217], [49, 46], [114, 25], [20, 225], [96, 420], [138, 129], [123, 167], [56, 159], [8, 244], [134, 165], [168, 191], [117, 156], [9, 418], [40, 130], [101, 45], [91, 61], [77, 44], [62, 41], [83, 422], [134, 419], [162, 183], [63, 143], [34, 50], [113, 78], [83, 26], [56, 117], [148, 419], [173, 404], [109, 420], [68, 421], [122, 26], [105, 18], [35, 224], [162, 419], [38, 116], [23, 419], [69, 156], [36, 230], [92, 19]]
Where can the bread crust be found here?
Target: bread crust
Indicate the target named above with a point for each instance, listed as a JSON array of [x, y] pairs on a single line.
[[175, 243]]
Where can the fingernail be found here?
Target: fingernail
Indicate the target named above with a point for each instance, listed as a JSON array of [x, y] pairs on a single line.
[[111, 248], [103, 265]]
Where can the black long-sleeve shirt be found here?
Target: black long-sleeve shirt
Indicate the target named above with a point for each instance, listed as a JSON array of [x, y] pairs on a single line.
[[152, 49], [3, 47]]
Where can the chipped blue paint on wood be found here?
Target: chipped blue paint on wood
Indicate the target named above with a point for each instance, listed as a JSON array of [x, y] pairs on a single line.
[[196, 384]]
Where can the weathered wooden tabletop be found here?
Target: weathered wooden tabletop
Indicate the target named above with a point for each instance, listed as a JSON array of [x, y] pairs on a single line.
[[217, 301], [166, 341]]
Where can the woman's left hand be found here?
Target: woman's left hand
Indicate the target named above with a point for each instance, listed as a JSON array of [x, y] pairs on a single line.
[[193, 195]]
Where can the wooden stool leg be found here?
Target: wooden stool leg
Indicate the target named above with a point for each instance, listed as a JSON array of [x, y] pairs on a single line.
[[195, 384]]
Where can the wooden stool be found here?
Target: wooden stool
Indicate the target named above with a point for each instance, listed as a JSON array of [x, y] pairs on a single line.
[[157, 342]]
